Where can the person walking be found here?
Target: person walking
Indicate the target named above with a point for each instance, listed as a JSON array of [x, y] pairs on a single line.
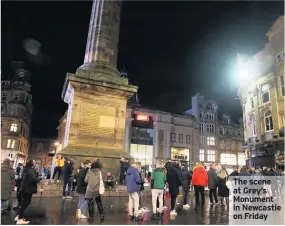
[[7, 183], [133, 181], [158, 180], [94, 182], [81, 189], [223, 190], [174, 182], [141, 209], [186, 178], [213, 184], [67, 179], [28, 188], [199, 180]]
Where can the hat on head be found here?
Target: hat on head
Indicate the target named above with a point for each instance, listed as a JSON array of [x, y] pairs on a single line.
[[95, 165]]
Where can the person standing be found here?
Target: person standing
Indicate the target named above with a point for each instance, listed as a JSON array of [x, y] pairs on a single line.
[[199, 180], [186, 178], [223, 191], [28, 188], [59, 163], [7, 183], [213, 184], [235, 172], [81, 189], [19, 173], [122, 170], [67, 179], [133, 182], [94, 179], [158, 180], [174, 182]]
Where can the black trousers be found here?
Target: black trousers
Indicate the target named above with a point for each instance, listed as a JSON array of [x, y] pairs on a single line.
[[186, 193], [90, 203], [26, 200], [173, 201], [66, 183], [58, 170], [213, 193], [199, 190], [19, 197], [122, 178]]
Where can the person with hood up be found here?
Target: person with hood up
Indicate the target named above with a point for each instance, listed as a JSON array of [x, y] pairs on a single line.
[[94, 180], [223, 190], [67, 179], [133, 181], [199, 180], [81, 189], [186, 178], [174, 182], [28, 188], [213, 184], [158, 179], [7, 183]]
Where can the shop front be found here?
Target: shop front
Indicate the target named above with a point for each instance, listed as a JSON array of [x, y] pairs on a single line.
[[229, 161], [181, 154], [143, 154]]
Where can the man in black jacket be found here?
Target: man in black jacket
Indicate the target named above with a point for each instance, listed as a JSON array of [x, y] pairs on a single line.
[[81, 189], [67, 179]]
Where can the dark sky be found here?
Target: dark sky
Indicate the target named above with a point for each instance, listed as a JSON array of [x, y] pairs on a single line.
[[172, 50]]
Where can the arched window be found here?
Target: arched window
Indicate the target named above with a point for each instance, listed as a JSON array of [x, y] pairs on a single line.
[[209, 107], [14, 127], [268, 120], [252, 124], [40, 147]]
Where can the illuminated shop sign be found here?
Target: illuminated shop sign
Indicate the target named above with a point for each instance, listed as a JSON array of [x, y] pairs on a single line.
[[141, 117]]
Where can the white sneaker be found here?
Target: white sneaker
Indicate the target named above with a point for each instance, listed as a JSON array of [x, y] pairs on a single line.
[[140, 211], [173, 213], [78, 213], [83, 216], [186, 206], [22, 221], [165, 207], [16, 218]]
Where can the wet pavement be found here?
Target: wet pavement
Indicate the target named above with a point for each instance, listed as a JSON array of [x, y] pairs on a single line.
[[50, 211]]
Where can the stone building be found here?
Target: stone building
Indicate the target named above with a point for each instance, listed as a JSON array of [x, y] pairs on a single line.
[[219, 139], [16, 113], [262, 93], [42, 151]]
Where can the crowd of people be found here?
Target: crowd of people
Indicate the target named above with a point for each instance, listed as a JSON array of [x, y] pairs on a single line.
[[168, 179]]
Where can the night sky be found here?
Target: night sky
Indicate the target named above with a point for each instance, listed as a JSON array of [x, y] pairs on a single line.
[[172, 50]]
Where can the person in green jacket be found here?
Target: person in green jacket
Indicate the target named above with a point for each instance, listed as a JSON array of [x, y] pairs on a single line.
[[158, 179]]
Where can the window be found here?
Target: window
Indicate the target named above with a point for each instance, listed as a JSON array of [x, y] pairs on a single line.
[[251, 101], [241, 160], [188, 139], [201, 115], [172, 137], [282, 85], [10, 143], [210, 128], [211, 156], [10, 155], [268, 121], [16, 96], [252, 124], [40, 147], [221, 131], [228, 145], [14, 127], [202, 127], [265, 93], [228, 159], [226, 120], [3, 97], [13, 111], [210, 140], [222, 144], [233, 145], [202, 139], [239, 133], [200, 103], [180, 138], [227, 131], [201, 155], [210, 107]]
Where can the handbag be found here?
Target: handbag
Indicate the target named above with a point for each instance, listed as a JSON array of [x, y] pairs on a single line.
[[101, 185], [229, 184]]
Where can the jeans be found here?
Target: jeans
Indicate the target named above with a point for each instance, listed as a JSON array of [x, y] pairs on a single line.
[[134, 202], [157, 193], [26, 200], [199, 190], [90, 203], [213, 192], [82, 202], [68, 183], [186, 193], [173, 201]]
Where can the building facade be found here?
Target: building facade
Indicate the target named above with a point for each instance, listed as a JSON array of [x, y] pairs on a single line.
[[219, 139], [16, 113], [262, 99], [42, 151]]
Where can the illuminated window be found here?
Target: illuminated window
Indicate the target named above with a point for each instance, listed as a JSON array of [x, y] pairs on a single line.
[[3, 97], [11, 143], [188, 139], [202, 139], [16, 96], [268, 121], [172, 137], [228, 159], [202, 127], [211, 155], [241, 160], [265, 93], [14, 127], [210, 140], [180, 138], [201, 155]]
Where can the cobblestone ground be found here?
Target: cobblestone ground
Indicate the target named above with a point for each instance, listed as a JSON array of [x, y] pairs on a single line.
[[49, 211]]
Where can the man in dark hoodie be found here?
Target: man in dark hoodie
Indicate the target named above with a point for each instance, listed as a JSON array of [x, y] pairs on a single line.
[[186, 178], [134, 182], [67, 179]]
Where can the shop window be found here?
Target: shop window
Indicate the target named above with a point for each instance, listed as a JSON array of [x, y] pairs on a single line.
[[228, 159], [172, 137], [201, 155], [268, 121], [188, 139], [180, 138], [211, 141], [14, 127], [265, 93], [11, 143], [202, 127], [211, 155]]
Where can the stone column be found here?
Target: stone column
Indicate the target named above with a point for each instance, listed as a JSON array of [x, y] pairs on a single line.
[[128, 135], [167, 147]]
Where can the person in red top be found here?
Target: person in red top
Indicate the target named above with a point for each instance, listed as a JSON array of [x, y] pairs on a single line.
[[199, 181]]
